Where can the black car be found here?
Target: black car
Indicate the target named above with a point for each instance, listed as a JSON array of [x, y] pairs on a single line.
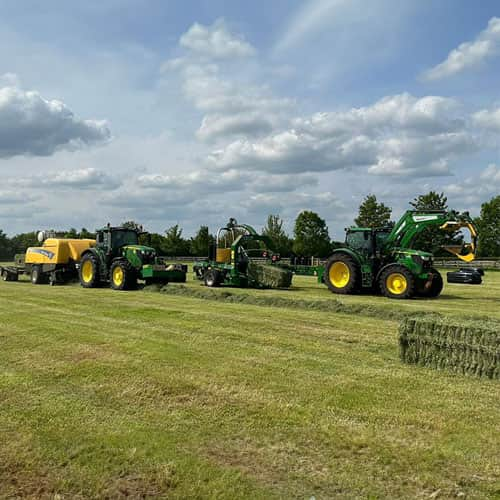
[[468, 276]]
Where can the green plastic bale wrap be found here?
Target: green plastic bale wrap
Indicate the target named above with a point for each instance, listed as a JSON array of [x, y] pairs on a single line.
[[268, 276], [467, 347]]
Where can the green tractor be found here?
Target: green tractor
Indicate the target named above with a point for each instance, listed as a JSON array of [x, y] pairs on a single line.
[[382, 259], [120, 260], [241, 257]]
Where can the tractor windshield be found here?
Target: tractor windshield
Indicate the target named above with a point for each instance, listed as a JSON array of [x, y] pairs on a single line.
[[360, 240], [122, 238]]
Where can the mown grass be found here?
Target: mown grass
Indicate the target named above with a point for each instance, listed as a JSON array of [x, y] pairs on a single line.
[[109, 394]]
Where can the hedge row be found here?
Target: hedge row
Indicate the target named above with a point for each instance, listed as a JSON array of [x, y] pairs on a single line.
[[467, 347]]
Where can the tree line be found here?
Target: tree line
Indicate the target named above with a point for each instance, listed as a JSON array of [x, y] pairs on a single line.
[[310, 232]]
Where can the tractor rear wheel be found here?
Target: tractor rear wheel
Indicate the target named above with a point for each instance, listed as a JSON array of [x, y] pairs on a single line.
[[341, 274], [122, 275], [212, 278], [89, 271], [436, 286], [397, 282]]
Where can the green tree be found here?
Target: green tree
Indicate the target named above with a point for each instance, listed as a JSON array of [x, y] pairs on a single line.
[[20, 242], [72, 233], [174, 244], [86, 234], [131, 224], [489, 228], [311, 235], [275, 231], [433, 238], [5, 248], [201, 241], [372, 213]]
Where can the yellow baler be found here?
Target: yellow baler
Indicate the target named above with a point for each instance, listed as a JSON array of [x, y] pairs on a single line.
[[55, 261]]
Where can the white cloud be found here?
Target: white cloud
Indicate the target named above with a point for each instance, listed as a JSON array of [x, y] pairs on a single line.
[[398, 135], [84, 178], [474, 190], [32, 125], [232, 102], [469, 54], [487, 119], [215, 41]]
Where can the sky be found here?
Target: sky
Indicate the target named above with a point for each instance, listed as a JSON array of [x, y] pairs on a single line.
[[193, 112]]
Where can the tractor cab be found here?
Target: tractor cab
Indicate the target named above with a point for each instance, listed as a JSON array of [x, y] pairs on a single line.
[[124, 242], [367, 241]]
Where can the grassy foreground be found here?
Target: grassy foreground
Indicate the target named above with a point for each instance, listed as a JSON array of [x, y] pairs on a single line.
[[109, 394]]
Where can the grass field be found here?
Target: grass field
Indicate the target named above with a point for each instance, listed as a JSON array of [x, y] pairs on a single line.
[[115, 394]]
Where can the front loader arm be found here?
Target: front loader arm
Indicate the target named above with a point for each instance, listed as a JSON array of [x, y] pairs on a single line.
[[414, 222]]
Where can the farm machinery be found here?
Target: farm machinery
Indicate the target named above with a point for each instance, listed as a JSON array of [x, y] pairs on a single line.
[[241, 257], [54, 262], [383, 259], [118, 258]]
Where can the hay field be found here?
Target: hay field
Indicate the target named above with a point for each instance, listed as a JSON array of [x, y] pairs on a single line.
[[141, 394]]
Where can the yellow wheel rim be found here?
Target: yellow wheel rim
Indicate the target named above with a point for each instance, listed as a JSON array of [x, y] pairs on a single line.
[[339, 274], [87, 271], [396, 283], [118, 276]]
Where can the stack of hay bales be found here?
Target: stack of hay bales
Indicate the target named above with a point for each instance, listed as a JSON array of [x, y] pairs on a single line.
[[468, 347], [268, 276]]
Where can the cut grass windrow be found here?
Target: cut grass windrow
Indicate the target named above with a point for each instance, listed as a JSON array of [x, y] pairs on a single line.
[[332, 305]]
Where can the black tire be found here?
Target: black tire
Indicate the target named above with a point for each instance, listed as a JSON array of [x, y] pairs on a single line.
[[122, 275], [347, 271], [397, 282], [212, 278], [37, 276], [436, 286], [89, 264]]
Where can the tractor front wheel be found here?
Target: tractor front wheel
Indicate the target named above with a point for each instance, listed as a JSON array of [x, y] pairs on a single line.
[[435, 287], [341, 274], [397, 282], [89, 271], [122, 276]]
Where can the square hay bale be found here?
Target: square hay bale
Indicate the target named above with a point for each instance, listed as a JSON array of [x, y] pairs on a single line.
[[467, 347], [268, 276]]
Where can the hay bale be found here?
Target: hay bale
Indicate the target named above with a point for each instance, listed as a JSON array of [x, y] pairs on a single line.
[[468, 347], [268, 276]]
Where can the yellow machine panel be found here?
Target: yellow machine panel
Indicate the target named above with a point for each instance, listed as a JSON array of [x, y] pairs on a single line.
[[58, 251], [223, 255]]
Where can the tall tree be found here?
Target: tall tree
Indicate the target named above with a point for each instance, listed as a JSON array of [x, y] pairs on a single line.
[[20, 242], [489, 228], [174, 244], [5, 248], [275, 231], [86, 234], [311, 235], [201, 241], [131, 224], [372, 213], [433, 238]]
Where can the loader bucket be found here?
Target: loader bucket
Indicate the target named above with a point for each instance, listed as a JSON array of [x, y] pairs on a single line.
[[467, 251]]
